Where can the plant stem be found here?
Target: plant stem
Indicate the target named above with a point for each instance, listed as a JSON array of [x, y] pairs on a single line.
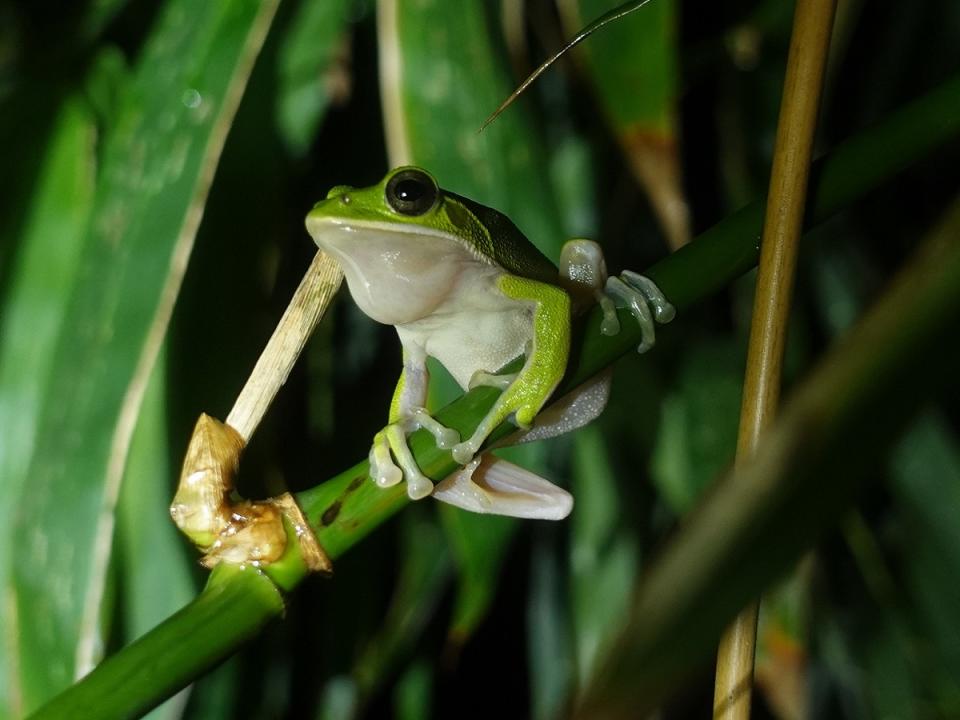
[[232, 608], [809, 45], [310, 301], [346, 508]]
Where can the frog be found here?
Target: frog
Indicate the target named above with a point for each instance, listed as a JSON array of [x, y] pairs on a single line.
[[461, 283]]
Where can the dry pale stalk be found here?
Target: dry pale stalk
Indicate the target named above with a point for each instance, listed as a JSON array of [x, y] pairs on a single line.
[[783, 224], [241, 531]]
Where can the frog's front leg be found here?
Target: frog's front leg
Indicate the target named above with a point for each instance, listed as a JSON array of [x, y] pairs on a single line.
[[584, 272], [546, 361], [407, 414]]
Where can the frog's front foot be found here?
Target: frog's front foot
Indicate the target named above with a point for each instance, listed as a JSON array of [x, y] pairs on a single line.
[[391, 442], [645, 300]]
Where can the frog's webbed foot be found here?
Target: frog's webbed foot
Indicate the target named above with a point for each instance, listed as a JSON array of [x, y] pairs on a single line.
[[392, 442], [583, 272], [647, 304], [491, 485]]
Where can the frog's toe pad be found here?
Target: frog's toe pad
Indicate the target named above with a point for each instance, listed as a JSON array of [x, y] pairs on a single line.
[[495, 486], [419, 488]]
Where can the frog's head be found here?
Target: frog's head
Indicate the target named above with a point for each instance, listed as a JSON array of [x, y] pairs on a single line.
[[404, 242], [408, 199]]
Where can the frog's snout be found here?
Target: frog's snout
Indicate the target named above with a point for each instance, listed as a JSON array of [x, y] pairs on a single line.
[[338, 191]]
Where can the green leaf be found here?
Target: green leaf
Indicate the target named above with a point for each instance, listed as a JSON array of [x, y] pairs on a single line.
[[424, 574], [98, 15], [412, 699], [442, 72], [604, 551], [549, 641], [155, 575], [308, 74], [479, 544], [925, 480], [632, 64], [697, 435], [49, 248], [157, 164]]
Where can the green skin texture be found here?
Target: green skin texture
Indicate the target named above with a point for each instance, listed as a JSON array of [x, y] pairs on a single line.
[[496, 275]]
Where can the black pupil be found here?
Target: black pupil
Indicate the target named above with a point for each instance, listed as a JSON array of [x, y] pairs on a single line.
[[410, 190]]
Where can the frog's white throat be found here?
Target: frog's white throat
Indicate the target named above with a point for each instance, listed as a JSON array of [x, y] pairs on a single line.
[[395, 275]]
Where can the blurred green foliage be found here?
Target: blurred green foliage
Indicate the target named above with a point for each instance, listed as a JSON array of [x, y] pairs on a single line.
[[112, 113]]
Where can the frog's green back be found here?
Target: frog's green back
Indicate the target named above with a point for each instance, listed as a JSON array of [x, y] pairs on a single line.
[[507, 246]]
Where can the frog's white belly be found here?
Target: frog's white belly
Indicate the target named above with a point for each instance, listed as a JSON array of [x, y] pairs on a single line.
[[476, 327]]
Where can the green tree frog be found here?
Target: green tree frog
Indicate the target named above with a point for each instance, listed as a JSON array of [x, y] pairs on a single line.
[[462, 284]]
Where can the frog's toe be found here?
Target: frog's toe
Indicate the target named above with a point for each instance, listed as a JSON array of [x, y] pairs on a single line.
[[610, 325], [419, 487], [645, 301], [386, 476], [383, 470], [445, 437], [663, 310], [463, 452]]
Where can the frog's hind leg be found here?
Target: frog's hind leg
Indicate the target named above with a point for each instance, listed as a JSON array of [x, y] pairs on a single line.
[[544, 367], [489, 484], [570, 412]]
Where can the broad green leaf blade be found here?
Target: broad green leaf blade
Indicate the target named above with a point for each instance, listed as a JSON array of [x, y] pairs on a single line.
[[441, 72], [156, 588], [633, 65], [158, 162], [308, 74], [43, 271]]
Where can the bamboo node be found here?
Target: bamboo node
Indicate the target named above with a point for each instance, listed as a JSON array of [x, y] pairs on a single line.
[[230, 529]]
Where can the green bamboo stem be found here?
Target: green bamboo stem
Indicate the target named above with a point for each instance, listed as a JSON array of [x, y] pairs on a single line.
[[235, 603], [783, 224], [346, 508]]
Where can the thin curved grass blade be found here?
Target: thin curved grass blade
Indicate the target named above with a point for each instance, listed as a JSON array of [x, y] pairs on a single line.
[[605, 19]]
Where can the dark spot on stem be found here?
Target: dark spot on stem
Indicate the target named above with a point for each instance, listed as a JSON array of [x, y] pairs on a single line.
[[330, 514], [354, 484]]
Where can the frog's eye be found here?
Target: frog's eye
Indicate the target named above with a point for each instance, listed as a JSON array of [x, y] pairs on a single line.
[[411, 192]]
